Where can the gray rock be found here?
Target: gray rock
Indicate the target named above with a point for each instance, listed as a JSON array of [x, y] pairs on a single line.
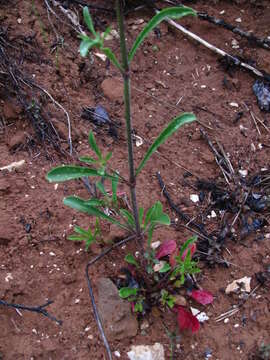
[[115, 313], [147, 352]]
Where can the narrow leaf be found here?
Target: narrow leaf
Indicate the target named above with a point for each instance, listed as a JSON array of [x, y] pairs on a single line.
[[81, 205], [111, 56], [165, 268], [130, 219], [131, 260], [80, 230], [101, 188], [173, 126], [202, 296], [88, 20], [87, 159], [114, 189], [93, 144], [125, 292], [70, 172], [166, 248], [172, 12], [141, 213], [187, 245], [163, 219]]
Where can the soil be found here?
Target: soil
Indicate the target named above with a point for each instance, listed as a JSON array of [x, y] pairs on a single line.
[[170, 74]]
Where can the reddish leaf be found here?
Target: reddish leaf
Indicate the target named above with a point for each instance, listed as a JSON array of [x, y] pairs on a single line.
[[166, 248], [172, 258], [192, 248], [186, 320], [202, 296]]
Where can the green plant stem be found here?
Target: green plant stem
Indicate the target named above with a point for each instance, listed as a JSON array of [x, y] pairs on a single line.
[[126, 79]]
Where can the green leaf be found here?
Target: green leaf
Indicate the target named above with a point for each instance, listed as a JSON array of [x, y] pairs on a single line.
[[111, 56], [94, 202], [114, 189], [86, 44], [130, 219], [93, 144], [80, 230], [75, 238], [173, 126], [172, 12], [165, 268], [163, 219], [101, 188], [148, 216], [88, 20], [125, 292], [138, 307], [108, 156], [87, 159], [81, 205], [70, 172], [129, 258]]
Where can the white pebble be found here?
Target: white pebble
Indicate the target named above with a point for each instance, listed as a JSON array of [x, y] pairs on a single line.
[[117, 354], [226, 320], [52, 253], [238, 20], [234, 104], [194, 198]]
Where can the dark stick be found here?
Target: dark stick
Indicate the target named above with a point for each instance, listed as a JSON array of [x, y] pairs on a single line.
[[183, 216], [264, 43], [91, 294], [37, 309]]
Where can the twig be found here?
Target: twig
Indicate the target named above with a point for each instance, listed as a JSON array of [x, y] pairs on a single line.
[[236, 308], [63, 109], [264, 43], [38, 309], [233, 59], [91, 293]]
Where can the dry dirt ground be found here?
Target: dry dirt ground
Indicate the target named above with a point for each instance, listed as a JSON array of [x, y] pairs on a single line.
[[171, 74]]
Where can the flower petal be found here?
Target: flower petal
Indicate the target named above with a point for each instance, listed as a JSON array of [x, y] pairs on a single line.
[[166, 248], [202, 296]]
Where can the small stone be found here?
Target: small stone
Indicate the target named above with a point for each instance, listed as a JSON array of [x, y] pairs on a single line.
[[242, 285], [147, 352], [226, 320], [180, 300], [117, 354], [194, 198], [144, 325], [155, 245], [243, 172], [120, 323], [234, 104], [238, 20], [113, 89]]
